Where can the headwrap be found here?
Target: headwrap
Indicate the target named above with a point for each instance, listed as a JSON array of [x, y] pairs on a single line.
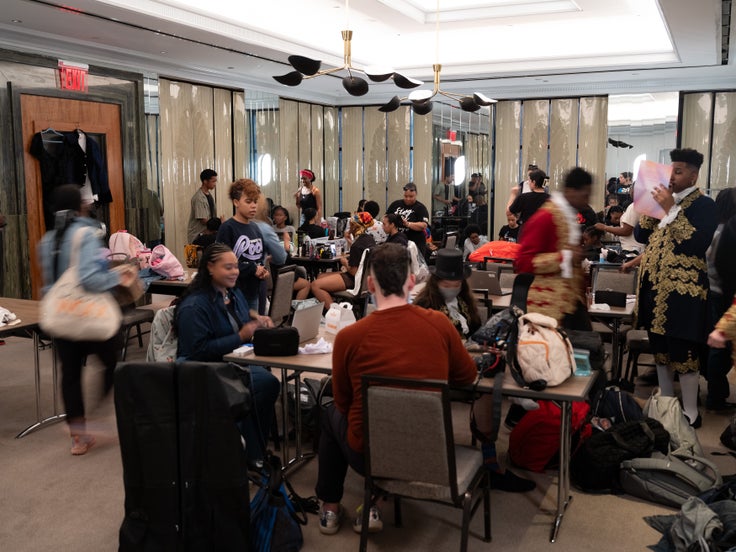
[[306, 173], [363, 220]]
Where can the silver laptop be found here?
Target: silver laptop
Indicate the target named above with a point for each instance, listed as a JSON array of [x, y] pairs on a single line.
[[489, 281], [307, 321]]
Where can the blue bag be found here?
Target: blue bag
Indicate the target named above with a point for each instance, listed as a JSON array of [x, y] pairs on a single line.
[[275, 524]]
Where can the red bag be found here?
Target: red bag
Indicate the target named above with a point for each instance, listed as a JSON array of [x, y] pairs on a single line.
[[534, 443], [498, 248]]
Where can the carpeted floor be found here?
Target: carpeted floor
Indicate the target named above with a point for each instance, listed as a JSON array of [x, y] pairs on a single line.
[[50, 500]]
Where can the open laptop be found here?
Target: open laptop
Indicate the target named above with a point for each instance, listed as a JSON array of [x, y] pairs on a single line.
[[489, 281], [307, 321]]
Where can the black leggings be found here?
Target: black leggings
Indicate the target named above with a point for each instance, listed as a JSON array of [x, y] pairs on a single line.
[[72, 354]]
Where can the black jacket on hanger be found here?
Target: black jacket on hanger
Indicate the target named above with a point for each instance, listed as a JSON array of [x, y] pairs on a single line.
[[82, 163]]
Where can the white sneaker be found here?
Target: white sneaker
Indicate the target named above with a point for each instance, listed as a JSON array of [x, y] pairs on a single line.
[[329, 521], [375, 524]]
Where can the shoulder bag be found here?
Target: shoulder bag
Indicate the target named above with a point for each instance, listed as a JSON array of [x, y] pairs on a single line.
[[68, 311]]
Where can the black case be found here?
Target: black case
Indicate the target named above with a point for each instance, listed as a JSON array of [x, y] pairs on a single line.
[[613, 298], [276, 341], [184, 465]]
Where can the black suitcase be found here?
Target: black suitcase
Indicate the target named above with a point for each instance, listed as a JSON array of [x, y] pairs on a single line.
[[184, 466]]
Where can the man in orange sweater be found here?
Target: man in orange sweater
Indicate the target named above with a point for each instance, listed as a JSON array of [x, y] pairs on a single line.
[[397, 339]]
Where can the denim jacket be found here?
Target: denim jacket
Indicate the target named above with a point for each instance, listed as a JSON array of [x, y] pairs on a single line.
[[204, 328]]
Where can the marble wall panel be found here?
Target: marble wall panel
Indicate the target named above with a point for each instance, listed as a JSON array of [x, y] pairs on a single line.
[[289, 155], [266, 158], [507, 170], [374, 168], [398, 125], [535, 133], [331, 148], [697, 119], [352, 157], [592, 142], [422, 159], [563, 142], [241, 134], [223, 145], [317, 145], [723, 155]]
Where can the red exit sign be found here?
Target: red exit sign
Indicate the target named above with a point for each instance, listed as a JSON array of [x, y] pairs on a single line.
[[73, 76]]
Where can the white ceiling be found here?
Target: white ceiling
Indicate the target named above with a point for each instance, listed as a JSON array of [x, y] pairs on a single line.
[[502, 48]]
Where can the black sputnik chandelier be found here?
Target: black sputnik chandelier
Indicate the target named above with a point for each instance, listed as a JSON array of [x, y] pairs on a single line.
[[308, 68], [421, 100]]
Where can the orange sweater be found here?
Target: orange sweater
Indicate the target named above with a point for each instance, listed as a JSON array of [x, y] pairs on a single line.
[[406, 341]]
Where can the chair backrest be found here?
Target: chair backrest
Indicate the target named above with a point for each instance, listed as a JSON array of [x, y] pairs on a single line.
[[451, 240], [612, 279], [361, 276], [283, 290], [407, 429]]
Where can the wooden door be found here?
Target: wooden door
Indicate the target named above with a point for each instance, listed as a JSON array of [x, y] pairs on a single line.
[[63, 115]]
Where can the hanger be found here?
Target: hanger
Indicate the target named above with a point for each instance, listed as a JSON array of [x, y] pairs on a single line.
[[55, 138]]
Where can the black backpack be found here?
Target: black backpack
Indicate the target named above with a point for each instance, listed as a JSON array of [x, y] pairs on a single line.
[[595, 465], [616, 405]]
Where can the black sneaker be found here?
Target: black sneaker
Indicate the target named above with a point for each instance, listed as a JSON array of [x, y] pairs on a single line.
[[511, 483], [514, 415]]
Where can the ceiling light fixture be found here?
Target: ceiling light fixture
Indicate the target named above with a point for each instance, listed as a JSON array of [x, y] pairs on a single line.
[[421, 100], [308, 68]]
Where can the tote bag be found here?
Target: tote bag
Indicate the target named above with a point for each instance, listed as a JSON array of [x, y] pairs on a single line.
[[68, 311]]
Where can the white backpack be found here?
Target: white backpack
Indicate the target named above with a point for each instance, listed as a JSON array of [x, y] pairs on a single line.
[[544, 354], [164, 341]]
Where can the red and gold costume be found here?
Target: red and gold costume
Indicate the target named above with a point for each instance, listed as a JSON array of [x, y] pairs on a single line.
[[543, 238]]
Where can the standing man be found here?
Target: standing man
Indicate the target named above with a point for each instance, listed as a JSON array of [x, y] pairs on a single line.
[[413, 214], [445, 195], [523, 187], [203, 205], [673, 287], [370, 347], [550, 249]]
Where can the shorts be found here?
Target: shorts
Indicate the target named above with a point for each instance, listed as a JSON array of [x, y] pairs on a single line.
[[349, 280]]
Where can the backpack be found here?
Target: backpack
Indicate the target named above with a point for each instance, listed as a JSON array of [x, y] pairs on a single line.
[[544, 355], [125, 243], [164, 262], [669, 479], [616, 405], [595, 465], [534, 443], [275, 522], [728, 437], [668, 411], [164, 342]]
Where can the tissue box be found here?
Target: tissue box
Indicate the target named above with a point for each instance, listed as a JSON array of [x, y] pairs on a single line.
[[613, 298]]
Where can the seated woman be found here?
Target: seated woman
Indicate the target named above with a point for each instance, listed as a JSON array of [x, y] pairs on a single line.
[[310, 226], [392, 224], [329, 282], [283, 228], [447, 291], [211, 320], [592, 243], [473, 239]]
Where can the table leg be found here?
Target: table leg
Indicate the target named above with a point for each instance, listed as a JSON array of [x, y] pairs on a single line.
[[615, 368], [563, 478], [56, 417], [299, 456]]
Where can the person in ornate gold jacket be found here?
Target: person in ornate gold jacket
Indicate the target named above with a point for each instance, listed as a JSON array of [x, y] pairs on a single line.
[[673, 286], [725, 331]]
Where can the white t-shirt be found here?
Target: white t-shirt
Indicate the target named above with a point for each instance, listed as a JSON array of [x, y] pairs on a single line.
[[628, 243]]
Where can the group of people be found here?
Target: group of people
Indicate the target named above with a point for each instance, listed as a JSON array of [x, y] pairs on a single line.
[[219, 311]]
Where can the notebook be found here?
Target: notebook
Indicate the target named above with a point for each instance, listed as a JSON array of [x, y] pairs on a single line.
[[307, 321], [489, 281]]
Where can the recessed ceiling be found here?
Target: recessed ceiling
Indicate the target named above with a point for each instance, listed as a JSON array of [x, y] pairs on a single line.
[[502, 48]]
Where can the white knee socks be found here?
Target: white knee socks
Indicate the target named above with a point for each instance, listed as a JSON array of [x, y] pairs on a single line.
[[666, 377], [689, 388]]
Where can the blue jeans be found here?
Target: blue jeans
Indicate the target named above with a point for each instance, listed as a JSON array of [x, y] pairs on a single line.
[[264, 389]]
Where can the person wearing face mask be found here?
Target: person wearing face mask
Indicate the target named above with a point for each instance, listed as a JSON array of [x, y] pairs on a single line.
[[448, 292]]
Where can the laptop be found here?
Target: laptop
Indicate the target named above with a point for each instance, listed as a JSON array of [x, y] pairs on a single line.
[[307, 321], [489, 281]]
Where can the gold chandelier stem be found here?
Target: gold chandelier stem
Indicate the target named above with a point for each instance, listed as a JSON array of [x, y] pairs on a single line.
[[436, 68], [347, 37]]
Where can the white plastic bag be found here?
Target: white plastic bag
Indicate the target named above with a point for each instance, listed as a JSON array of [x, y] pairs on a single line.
[[338, 316]]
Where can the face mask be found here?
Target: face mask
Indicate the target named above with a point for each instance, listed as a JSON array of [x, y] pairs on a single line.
[[449, 293]]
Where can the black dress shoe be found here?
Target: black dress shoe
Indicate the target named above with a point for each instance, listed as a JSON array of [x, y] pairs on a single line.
[[511, 483], [697, 423], [720, 406]]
